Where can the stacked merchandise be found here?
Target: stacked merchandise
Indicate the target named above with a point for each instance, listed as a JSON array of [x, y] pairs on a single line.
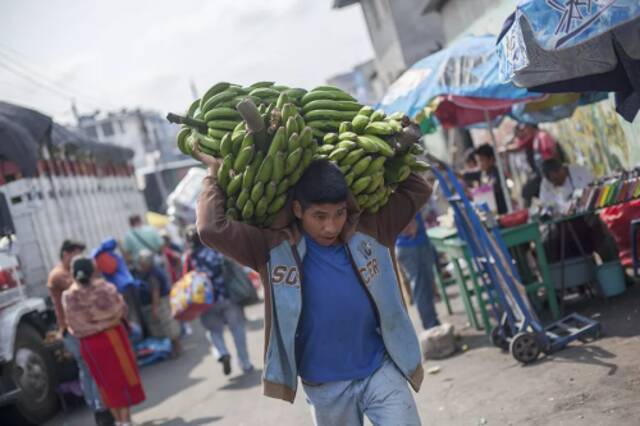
[[609, 191]]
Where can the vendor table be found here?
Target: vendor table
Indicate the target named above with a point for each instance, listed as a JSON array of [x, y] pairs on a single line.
[[446, 241]]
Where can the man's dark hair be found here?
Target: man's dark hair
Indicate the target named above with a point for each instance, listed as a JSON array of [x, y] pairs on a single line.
[[551, 165], [135, 220], [192, 237], [71, 245], [322, 182], [485, 150]]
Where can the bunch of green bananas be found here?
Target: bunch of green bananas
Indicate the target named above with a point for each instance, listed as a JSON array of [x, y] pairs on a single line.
[[365, 151], [256, 175]]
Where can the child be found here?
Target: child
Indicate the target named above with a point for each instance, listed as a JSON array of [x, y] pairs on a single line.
[[334, 313]]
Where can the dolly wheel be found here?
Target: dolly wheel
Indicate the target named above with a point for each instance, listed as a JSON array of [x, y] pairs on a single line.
[[525, 347], [498, 339]]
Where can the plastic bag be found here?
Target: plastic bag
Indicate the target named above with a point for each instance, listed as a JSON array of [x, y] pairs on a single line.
[[191, 296]]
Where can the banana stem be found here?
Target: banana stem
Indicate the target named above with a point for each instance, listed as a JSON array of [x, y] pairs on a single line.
[[192, 122], [254, 122]]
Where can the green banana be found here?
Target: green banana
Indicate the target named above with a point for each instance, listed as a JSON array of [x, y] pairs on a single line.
[[320, 157], [360, 184], [404, 173], [282, 99], [257, 191], [359, 123], [231, 203], [397, 116], [225, 125], [300, 125], [288, 111], [213, 90], [242, 199], [326, 95], [330, 138], [296, 175], [243, 159], [338, 154], [219, 98], [264, 93], [366, 111], [279, 164], [395, 125], [306, 138], [367, 144], [294, 143], [234, 185], [295, 93], [236, 142], [223, 177], [282, 186], [348, 136], [226, 145], [329, 114], [210, 143], [193, 108], [383, 147], [291, 126], [353, 157], [377, 116], [293, 160], [266, 170], [409, 159], [278, 142], [344, 169], [347, 144], [222, 113], [416, 149], [345, 126], [248, 209], [228, 161], [332, 105], [362, 201], [261, 207], [181, 138], [379, 128], [327, 88], [375, 166], [216, 133], [250, 173], [270, 190], [349, 177], [377, 181], [277, 204], [326, 149], [261, 84], [362, 165], [247, 141]]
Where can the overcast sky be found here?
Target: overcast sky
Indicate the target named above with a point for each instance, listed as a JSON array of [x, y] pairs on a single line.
[[124, 53]]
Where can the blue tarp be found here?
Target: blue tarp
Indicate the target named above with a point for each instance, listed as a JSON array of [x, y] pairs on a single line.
[[468, 68]]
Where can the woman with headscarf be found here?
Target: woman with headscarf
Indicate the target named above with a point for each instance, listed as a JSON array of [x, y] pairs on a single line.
[[95, 311]]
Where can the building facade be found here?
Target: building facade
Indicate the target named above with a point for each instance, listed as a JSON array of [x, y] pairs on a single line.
[[147, 133]]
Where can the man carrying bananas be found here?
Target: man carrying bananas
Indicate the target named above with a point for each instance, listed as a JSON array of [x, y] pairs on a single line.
[[334, 314]]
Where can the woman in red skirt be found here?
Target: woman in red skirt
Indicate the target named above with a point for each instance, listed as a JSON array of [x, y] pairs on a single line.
[[94, 312]]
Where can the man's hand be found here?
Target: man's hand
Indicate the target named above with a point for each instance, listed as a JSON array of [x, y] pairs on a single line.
[[212, 163]]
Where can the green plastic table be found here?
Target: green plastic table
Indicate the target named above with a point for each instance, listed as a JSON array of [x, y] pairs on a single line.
[[446, 241]]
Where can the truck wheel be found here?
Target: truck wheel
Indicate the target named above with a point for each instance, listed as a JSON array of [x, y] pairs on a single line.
[[33, 371]]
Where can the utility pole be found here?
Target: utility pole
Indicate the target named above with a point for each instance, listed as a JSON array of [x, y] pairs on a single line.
[[194, 90]]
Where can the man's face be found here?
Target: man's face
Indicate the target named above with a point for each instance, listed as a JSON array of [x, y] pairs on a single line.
[[67, 256], [525, 133], [558, 178], [485, 163], [323, 222]]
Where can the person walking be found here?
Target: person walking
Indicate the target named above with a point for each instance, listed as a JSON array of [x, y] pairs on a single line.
[[154, 298], [60, 279], [95, 311], [224, 311], [417, 256], [334, 315]]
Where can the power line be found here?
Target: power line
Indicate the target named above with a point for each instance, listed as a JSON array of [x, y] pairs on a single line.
[[28, 72]]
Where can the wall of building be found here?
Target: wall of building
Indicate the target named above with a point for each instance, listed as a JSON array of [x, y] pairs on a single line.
[[458, 15], [419, 35]]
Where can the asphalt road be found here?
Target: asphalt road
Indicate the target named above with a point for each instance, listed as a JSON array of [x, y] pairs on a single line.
[[595, 383]]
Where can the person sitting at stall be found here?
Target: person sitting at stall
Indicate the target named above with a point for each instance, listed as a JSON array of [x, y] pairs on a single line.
[[537, 144], [487, 161], [589, 234]]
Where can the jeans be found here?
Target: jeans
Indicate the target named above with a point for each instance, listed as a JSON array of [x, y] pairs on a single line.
[[418, 263], [214, 320], [89, 387], [384, 397]]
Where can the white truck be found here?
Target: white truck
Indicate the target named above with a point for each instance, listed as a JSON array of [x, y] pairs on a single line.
[[54, 185]]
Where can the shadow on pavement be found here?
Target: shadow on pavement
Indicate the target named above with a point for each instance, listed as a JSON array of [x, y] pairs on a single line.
[[245, 381], [181, 422], [590, 354]]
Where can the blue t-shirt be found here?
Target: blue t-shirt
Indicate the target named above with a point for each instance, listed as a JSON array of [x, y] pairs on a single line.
[[420, 238], [338, 337]]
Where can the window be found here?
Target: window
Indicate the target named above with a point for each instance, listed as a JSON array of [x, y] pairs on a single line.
[[91, 131], [107, 129]]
